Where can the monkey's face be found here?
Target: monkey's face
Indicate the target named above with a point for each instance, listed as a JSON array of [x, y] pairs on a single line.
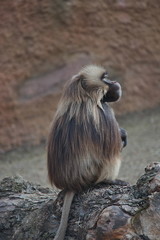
[[114, 92], [95, 80]]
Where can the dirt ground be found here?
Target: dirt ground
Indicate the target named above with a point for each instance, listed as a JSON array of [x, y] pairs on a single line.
[[143, 148]]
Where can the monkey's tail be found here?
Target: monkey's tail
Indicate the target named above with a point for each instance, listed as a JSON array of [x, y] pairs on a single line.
[[64, 218]]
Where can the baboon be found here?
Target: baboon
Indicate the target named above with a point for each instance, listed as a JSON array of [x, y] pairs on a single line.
[[85, 140]]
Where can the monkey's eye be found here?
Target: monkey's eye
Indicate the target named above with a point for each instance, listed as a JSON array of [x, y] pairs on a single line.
[[104, 76]]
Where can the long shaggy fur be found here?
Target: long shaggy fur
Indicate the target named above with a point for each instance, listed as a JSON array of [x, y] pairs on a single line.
[[84, 142]]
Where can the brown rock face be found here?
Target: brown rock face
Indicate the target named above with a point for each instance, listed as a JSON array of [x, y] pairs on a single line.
[[43, 43]]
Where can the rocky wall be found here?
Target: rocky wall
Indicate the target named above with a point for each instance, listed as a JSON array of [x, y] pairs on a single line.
[[42, 43]]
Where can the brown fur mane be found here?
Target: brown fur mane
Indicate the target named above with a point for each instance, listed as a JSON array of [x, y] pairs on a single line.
[[84, 137]]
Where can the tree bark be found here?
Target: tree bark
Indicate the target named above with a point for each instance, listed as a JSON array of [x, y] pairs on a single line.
[[103, 212]]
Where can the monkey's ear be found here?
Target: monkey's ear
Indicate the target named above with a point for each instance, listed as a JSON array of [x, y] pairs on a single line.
[[78, 77], [80, 80]]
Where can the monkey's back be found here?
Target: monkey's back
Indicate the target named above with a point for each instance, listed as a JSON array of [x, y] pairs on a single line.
[[83, 146]]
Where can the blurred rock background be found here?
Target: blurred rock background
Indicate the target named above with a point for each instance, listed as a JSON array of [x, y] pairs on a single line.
[[43, 43]]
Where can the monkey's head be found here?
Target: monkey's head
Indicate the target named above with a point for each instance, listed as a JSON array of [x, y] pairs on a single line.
[[93, 81]]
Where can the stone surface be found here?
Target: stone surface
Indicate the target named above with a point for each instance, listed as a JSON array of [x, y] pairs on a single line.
[[43, 43]]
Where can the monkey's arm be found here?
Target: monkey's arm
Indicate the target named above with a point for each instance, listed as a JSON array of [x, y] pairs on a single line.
[[123, 133]]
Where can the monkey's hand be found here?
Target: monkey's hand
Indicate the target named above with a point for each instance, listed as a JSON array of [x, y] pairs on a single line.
[[123, 133]]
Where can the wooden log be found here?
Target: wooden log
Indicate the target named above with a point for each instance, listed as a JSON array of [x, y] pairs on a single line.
[[103, 212]]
